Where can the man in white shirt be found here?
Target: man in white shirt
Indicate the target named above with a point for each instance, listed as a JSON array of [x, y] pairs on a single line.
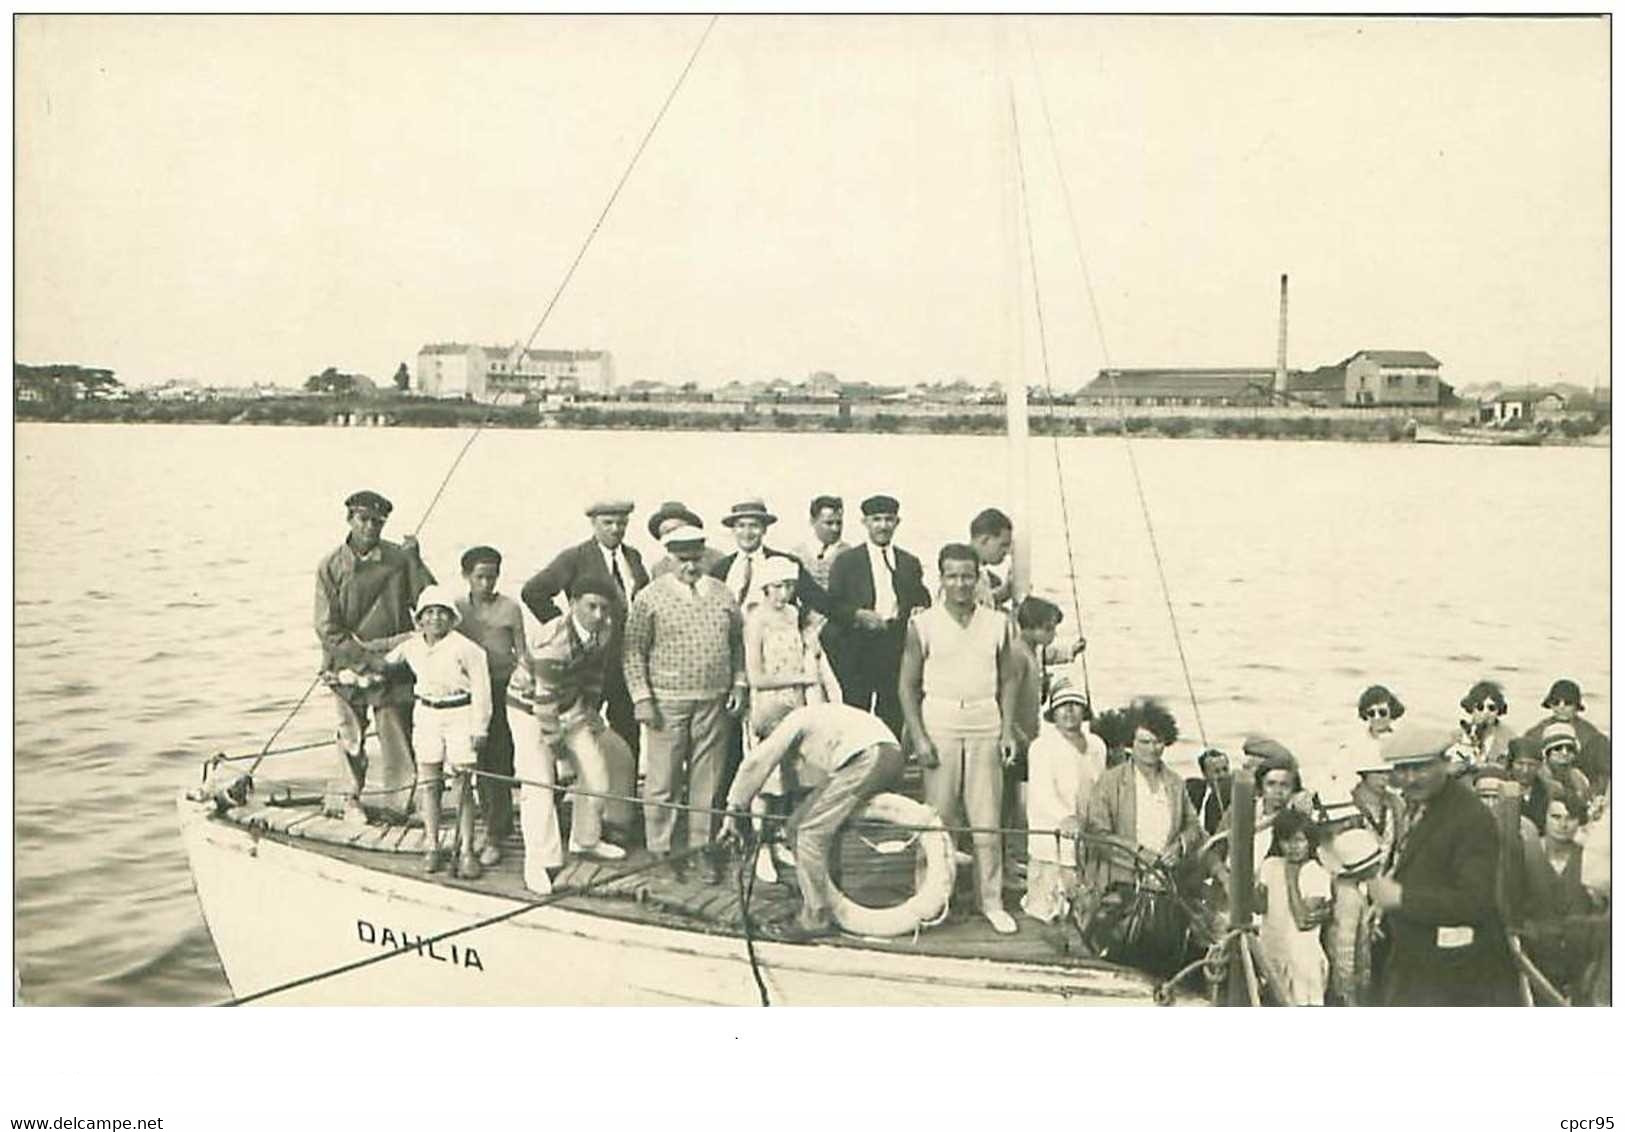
[[849, 756], [873, 590], [826, 516], [606, 555]]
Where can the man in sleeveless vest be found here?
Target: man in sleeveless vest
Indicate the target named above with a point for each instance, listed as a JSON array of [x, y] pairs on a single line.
[[958, 686]]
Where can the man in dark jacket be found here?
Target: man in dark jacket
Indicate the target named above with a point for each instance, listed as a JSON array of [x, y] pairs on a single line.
[[604, 556], [749, 522], [873, 589], [1449, 946]]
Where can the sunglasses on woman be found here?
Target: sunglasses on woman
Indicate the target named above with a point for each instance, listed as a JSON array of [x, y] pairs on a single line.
[[1380, 711]]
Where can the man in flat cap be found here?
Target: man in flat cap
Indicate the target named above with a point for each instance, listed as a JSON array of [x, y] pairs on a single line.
[[684, 663], [365, 592], [605, 556], [873, 590], [1449, 945]]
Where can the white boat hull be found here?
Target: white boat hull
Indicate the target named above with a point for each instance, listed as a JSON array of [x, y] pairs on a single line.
[[280, 912]]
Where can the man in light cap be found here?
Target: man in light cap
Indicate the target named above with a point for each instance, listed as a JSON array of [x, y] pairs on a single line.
[[684, 663], [873, 590], [668, 517], [365, 593], [607, 557], [1448, 942]]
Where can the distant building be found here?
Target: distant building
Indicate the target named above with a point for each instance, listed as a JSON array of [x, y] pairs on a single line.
[[456, 369], [822, 386], [1390, 377], [1529, 405], [1129, 387], [1324, 387]]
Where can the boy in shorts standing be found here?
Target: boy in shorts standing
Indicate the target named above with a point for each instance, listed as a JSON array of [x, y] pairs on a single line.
[[449, 720]]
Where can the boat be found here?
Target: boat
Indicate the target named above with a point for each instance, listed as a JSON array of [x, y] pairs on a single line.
[[632, 935], [1478, 437], [305, 909]]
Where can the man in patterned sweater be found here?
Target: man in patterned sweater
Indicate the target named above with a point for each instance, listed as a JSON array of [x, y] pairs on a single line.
[[684, 662]]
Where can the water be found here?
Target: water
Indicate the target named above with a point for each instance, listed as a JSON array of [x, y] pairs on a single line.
[[164, 587]]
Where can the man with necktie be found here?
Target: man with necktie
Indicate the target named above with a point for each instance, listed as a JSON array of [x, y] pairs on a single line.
[[873, 590], [605, 555]]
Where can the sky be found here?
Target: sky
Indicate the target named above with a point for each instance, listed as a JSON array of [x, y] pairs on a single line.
[[247, 199]]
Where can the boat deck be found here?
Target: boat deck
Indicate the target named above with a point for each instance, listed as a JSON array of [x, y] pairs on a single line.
[[652, 895]]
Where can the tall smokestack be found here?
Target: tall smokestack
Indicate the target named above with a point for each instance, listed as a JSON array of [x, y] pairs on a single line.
[[1280, 347]]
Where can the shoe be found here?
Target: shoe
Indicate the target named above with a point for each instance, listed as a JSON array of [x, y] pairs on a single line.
[[468, 867], [672, 867], [710, 868], [962, 859], [490, 856], [797, 932], [543, 885], [782, 855], [353, 813], [433, 861], [603, 851], [1002, 921]]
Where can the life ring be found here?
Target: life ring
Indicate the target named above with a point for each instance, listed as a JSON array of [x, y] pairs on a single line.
[[931, 895]]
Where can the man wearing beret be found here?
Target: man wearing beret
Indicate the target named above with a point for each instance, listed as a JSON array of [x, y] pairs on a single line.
[[365, 591], [605, 556], [873, 590], [1449, 945]]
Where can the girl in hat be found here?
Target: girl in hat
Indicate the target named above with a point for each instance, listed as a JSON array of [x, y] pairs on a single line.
[[1295, 894], [1062, 766], [786, 668]]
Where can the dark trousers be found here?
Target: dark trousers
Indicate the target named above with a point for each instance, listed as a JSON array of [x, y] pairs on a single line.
[[867, 670], [618, 709], [496, 796]]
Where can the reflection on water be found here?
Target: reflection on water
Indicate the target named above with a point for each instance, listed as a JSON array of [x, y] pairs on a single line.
[[164, 576]]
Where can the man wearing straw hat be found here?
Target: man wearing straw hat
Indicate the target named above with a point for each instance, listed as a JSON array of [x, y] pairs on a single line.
[[1449, 946], [365, 592]]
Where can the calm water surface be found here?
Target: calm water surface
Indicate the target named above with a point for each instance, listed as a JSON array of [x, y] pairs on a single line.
[[164, 587]]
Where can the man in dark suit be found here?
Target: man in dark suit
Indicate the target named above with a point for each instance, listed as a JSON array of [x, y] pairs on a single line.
[[873, 589], [1210, 793], [606, 556], [749, 522], [1449, 945]]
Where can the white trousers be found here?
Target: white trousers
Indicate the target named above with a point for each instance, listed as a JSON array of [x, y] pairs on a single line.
[[603, 764]]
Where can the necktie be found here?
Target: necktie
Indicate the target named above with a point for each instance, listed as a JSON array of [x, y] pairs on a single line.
[[615, 570], [744, 581]]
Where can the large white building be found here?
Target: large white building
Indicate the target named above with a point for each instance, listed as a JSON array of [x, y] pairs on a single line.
[[456, 369]]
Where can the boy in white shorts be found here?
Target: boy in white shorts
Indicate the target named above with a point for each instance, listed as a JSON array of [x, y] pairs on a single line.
[[450, 719]]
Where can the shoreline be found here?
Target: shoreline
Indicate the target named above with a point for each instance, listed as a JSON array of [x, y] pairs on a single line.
[[1158, 422]]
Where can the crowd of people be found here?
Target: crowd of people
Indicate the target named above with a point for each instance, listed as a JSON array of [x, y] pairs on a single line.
[[721, 695]]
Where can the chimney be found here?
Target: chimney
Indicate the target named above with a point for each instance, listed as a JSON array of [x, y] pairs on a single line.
[[1280, 347]]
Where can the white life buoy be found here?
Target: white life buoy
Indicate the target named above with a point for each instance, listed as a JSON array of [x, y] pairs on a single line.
[[935, 888]]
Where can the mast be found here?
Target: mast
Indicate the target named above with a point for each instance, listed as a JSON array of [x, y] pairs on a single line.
[[1013, 355]]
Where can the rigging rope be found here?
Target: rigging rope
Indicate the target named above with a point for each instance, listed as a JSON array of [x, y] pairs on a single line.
[[1100, 332], [1049, 388], [558, 293]]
